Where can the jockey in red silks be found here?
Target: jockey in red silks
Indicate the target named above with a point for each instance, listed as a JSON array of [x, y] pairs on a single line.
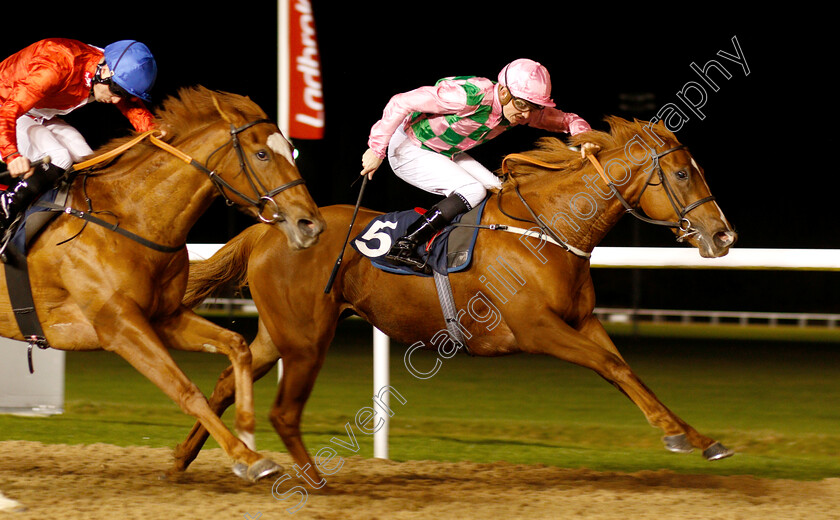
[[51, 78], [425, 133]]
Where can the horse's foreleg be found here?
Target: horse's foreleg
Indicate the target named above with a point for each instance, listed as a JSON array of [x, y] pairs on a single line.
[[679, 435], [137, 342], [300, 369], [222, 397], [188, 331], [263, 361], [592, 348]]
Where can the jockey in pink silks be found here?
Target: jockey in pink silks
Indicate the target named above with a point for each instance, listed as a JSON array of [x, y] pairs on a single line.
[[426, 132]]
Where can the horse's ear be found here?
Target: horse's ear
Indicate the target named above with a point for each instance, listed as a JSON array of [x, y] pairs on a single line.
[[227, 116]]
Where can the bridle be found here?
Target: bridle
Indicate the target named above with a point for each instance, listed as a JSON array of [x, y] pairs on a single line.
[[253, 180], [220, 184], [683, 223]]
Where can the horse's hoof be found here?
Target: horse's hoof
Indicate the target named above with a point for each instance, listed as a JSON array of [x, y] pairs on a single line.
[[257, 471], [171, 475], [717, 451], [240, 469], [263, 468], [678, 443]]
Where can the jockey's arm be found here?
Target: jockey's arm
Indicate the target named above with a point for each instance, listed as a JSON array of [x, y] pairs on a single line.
[[444, 98], [137, 113], [555, 120], [23, 98]]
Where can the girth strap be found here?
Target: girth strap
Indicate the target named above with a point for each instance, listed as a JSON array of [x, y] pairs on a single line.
[[20, 296]]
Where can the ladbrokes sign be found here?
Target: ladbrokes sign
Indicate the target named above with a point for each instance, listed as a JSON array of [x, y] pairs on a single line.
[[305, 109]]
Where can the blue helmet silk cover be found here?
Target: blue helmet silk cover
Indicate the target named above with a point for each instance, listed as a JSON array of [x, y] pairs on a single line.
[[134, 67]]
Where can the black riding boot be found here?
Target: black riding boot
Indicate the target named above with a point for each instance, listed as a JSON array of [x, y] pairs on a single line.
[[15, 200], [404, 250]]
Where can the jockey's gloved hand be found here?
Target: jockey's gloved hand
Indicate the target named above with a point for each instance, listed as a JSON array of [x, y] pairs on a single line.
[[589, 149], [18, 166], [370, 163]]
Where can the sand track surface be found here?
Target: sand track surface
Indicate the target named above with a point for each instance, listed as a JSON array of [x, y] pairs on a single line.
[[100, 481]]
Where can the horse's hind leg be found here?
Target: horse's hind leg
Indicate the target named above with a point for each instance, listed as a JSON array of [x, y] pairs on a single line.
[[592, 348], [264, 355], [300, 370]]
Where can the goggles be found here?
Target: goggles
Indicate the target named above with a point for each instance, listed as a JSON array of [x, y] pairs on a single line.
[[113, 86], [524, 105]]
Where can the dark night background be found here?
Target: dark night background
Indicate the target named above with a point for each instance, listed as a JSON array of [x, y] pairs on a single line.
[[763, 141]]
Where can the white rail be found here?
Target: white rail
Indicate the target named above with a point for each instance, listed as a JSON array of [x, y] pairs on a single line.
[[801, 319], [676, 257], [685, 257]]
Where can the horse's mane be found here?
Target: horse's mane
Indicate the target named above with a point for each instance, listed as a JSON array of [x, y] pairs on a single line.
[[555, 152], [192, 108]]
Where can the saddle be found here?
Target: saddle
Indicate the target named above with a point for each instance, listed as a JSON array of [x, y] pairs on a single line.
[[447, 252]]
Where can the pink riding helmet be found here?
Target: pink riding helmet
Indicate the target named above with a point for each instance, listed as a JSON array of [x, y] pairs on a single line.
[[528, 80]]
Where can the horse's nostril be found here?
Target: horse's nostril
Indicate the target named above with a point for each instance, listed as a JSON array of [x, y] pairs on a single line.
[[307, 227], [725, 238]]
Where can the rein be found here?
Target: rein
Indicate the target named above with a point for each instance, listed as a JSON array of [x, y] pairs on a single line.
[[683, 224], [544, 229], [220, 184]]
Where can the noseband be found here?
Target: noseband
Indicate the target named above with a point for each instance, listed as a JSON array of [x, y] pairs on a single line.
[[245, 167]]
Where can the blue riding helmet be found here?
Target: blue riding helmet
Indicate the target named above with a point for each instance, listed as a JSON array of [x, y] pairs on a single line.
[[134, 67]]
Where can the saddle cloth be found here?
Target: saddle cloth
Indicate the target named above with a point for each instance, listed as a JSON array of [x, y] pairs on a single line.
[[449, 251]]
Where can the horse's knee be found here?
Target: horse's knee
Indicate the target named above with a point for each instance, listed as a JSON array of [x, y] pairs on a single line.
[[285, 424], [192, 401], [238, 350], [619, 374], [613, 368], [620, 371]]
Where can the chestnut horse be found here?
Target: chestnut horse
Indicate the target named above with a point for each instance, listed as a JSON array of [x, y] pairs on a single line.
[[547, 308], [95, 288]]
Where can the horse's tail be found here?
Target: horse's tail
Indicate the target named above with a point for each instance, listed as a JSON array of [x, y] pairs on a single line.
[[228, 266]]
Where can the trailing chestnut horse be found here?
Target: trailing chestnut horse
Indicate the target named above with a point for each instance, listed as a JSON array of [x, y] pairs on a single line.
[[95, 288], [544, 307]]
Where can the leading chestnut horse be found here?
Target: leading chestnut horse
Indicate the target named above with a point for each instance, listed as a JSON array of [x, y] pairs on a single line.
[[95, 288], [541, 298]]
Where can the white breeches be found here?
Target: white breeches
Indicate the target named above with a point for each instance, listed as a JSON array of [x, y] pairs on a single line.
[[436, 173], [64, 144]]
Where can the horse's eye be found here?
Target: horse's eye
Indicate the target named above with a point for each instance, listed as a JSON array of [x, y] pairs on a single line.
[[262, 155], [682, 174]]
